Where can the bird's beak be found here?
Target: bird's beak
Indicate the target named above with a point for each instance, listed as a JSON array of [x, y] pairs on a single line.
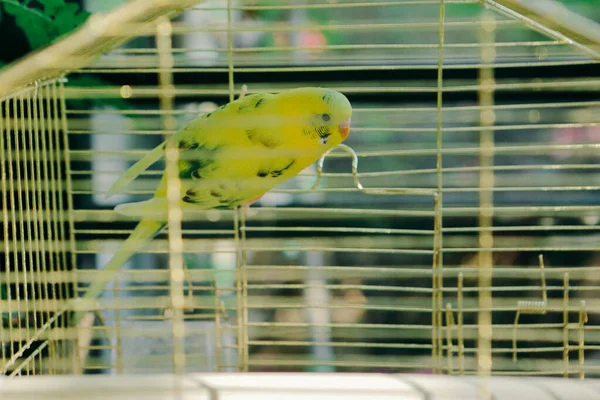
[[344, 128]]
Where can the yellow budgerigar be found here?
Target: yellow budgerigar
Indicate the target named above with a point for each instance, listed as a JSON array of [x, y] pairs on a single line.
[[234, 155]]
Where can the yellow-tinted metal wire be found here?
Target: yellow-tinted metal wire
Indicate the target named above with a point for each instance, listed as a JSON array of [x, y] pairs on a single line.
[[486, 202], [30, 280], [163, 38], [438, 239], [449, 344], [50, 217], [460, 318], [583, 319], [69, 189], [5, 176], [40, 213], [33, 228], [50, 291], [566, 325], [13, 204], [26, 232]]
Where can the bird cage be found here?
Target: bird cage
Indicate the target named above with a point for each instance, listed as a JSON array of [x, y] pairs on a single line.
[[455, 231]]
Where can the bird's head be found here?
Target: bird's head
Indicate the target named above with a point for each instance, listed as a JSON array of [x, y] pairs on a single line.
[[321, 116]]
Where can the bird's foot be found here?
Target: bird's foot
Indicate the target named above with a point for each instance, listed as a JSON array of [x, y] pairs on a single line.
[[246, 205], [243, 91]]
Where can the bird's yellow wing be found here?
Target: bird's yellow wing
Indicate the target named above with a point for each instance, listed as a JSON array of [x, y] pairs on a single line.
[[233, 155]]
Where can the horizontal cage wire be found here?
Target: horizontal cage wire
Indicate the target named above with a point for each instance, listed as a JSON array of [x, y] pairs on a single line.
[[454, 232]]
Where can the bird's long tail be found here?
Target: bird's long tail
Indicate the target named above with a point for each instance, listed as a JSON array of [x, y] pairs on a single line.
[[150, 158], [144, 232]]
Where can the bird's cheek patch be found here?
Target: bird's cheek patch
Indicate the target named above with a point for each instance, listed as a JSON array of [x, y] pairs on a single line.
[[324, 139]]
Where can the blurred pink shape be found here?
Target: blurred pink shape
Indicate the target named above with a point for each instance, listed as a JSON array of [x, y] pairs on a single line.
[[313, 38], [575, 135]]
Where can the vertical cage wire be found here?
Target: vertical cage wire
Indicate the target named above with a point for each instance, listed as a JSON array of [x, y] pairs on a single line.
[[163, 40], [34, 284], [486, 203], [438, 238]]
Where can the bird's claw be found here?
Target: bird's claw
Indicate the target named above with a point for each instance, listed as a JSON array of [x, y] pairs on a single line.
[[243, 91], [246, 206]]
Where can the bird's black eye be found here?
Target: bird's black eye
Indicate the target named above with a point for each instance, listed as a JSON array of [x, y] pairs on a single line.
[[326, 117]]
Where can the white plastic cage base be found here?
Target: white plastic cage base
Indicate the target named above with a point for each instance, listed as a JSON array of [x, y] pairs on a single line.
[[300, 386]]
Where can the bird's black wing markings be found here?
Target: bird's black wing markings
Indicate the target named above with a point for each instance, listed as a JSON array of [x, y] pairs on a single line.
[[190, 196], [194, 169], [218, 195], [250, 102], [269, 142], [264, 172], [196, 159], [188, 144], [277, 172], [251, 133], [193, 196]]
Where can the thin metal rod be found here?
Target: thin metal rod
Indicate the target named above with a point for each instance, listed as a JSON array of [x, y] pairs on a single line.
[[69, 184], [174, 214], [486, 203], [100, 33], [555, 20], [437, 279], [565, 352]]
